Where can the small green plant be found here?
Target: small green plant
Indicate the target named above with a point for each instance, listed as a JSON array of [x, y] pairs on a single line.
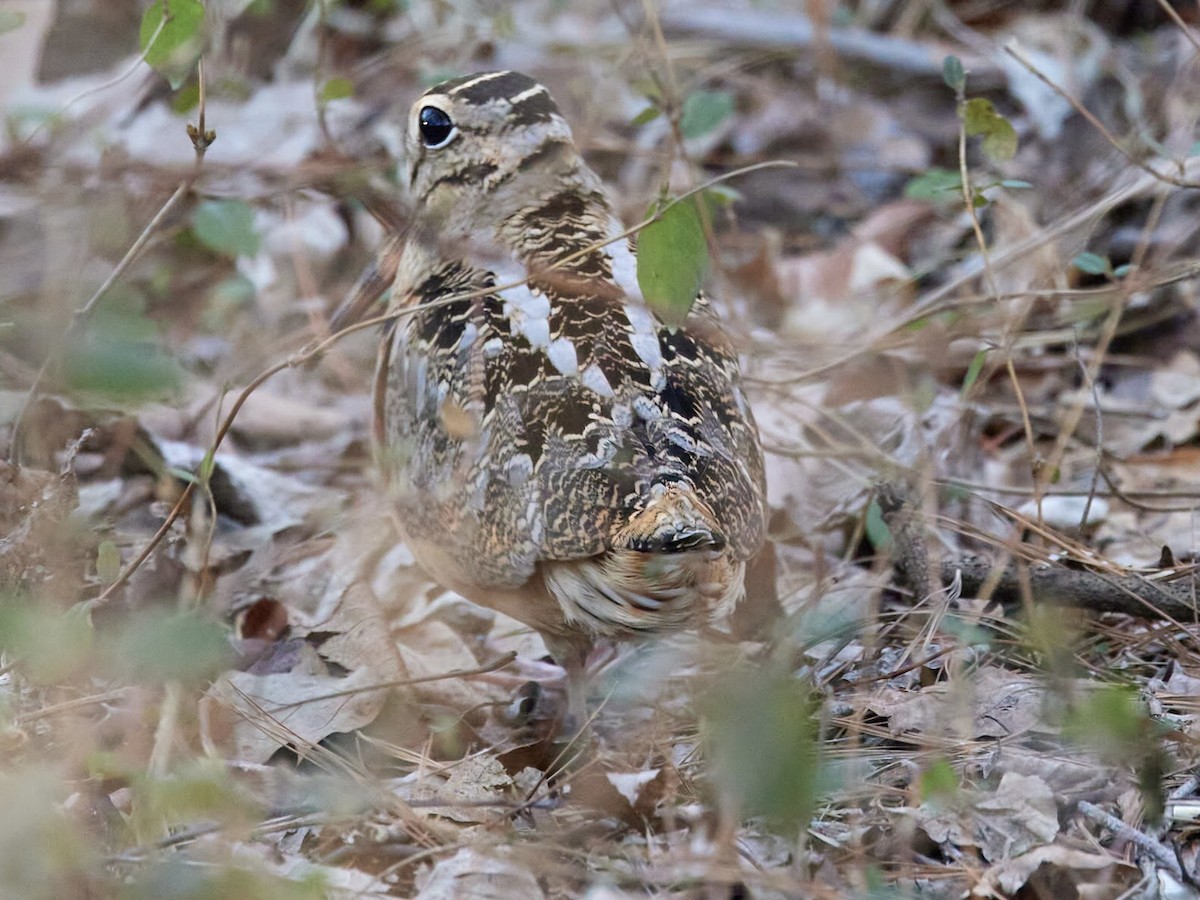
[[979, 118], [1095, 264]]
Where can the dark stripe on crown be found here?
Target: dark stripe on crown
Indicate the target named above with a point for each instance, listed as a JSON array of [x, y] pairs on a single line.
[[533, 109], [502, 87]]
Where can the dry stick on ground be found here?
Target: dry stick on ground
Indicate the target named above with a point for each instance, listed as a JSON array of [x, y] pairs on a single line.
[[1049, 584], [796, 33], [1161, 854]]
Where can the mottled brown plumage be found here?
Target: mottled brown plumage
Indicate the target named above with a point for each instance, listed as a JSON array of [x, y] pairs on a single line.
[[555, 450]]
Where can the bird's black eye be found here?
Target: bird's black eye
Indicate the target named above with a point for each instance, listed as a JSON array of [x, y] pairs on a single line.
[[436, 127]]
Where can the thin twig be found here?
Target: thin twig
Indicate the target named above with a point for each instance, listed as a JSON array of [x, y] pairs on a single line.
[[1161, 854], [1092, 120]]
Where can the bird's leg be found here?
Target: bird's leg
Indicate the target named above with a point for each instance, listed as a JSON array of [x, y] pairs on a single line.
[[572, 654]]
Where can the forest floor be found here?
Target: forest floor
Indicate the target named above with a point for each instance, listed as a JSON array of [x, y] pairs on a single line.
[[963, 261]]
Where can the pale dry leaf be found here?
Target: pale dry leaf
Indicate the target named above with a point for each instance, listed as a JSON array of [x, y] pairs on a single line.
[[270, 711], [1013, 225], [361, 638], [1076, 773], [1019, 815], [836, 295], [337, 882], [944, 823], [1066, 514], [1007, 877], [1067, 49], [273, 500], [993, 702], [472, 784], [479, 873], [272, 129], [432, 649]]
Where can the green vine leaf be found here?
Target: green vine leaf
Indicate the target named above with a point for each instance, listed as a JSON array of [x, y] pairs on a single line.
[[953, 73], [672, 261], [973, 371], [703, 111], [979, 117], [336, 89], [934, 183], [226, 227], [1092, 264], [171, 37], [647, 115]]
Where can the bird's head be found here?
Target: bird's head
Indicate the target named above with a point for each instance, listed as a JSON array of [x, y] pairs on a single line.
[[482, 148]]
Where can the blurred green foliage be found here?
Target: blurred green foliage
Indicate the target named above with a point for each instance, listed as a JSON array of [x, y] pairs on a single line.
[[761, 733]]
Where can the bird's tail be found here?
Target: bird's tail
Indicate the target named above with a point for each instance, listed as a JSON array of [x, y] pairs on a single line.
[[674, 520], [669, 566]]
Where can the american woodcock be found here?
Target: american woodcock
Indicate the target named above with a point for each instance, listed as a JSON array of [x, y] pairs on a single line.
[[556, 451]]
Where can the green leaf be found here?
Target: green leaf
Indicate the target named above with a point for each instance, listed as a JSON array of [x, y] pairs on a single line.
[[1092, 264], [649, 114], [11, 20], [878, 532], [171, 37], [703, 111], [226, 227], [939, 782], [207, 466], [934, 184], [158, 647], [108, 562], [973, 370], [722, 195], [953, 73], [761, 734], [51, 645], [1015, 184], [121, 359], [672, 260], [979, 117], [187, 97], [336, 89]]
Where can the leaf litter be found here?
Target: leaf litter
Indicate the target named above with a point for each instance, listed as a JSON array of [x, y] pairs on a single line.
[[385, 738]]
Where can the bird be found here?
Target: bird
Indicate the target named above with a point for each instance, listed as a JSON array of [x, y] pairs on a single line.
[[553, 448]]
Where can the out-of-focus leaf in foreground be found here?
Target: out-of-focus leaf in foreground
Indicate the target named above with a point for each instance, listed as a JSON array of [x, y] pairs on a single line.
[[119, 357], [169, 646], [226, 227], [761, 733]]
